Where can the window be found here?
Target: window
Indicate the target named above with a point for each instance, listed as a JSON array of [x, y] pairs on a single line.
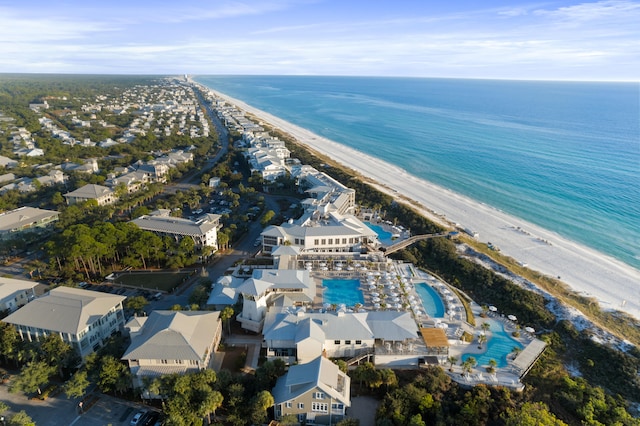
[[347, 342], [344, 241], [318, 395], [337, 407], [324, 241], [358, 342], [336, 342], [320, 407], [301, 405], [287, 404], [316, 241], [164, 361], [330, 240]]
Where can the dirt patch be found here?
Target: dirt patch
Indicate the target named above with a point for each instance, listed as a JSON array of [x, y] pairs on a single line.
[[234, 359]]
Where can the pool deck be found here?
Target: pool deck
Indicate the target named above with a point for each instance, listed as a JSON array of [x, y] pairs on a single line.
[[382, 282]]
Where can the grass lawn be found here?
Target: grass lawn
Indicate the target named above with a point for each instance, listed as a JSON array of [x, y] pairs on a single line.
[[163, 281]]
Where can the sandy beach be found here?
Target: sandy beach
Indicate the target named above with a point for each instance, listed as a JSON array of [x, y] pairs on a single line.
[[614, 284]]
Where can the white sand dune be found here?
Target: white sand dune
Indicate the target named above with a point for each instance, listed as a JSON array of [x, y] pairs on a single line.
[[614, 284]]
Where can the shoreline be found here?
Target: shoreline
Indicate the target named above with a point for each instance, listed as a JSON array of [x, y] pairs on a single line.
[[586, 271]]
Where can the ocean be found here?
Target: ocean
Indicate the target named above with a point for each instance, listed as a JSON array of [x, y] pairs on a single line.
[[562, 155]]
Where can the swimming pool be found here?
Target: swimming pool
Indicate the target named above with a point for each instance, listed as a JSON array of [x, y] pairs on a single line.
[[433, 305], [498, 347], [342, 291], [383, 236]]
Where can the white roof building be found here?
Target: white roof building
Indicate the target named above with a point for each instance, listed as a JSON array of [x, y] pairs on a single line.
[[85, 319], [25, 219], [15, 293], [168, 342], [203, 231], [299, 336]]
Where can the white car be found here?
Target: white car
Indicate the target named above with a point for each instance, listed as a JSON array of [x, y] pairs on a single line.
[[137, 418]]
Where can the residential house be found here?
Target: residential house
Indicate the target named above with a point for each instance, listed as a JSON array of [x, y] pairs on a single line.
[[85, 319], [101, 194], [15, 293], [316, 392], [171, 342], [25, 219]]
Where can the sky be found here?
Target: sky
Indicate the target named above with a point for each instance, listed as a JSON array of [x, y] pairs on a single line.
[[553, 40]]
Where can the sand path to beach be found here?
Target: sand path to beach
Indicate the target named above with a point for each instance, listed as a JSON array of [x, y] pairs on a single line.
[[614, 284]]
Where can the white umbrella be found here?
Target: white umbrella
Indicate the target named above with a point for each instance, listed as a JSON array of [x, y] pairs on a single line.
[[493, 308], [512, 317], [529, 330]]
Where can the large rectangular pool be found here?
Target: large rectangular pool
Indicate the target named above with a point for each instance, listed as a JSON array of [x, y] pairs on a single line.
[[433, 304], [342, 291]]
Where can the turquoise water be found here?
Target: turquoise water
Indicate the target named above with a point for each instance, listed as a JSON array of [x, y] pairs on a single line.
[[562, 155], [342, 291], [499, 345], [383, 236], [431, 300]]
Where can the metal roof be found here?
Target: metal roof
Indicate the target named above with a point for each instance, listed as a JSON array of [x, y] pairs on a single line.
[[176, 335], [23, 216], [65, 310], [177, 225]]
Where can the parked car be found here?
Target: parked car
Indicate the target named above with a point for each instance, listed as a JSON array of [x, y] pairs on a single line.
[[138, 418]]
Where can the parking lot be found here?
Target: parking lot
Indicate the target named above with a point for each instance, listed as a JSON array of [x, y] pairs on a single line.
[[60, 411]]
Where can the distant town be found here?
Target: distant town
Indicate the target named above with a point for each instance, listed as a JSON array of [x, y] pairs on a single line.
[[168, 258]]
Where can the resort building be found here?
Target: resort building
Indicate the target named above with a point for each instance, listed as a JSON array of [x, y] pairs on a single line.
[[265, 286], [15, 293], [299, 336], [101, 194], [171, 342], [25, 219], [331, 233], [316, 392], [84, 319], [203, 231]]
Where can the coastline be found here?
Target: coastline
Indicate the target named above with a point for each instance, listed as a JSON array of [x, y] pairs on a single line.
[[586, 271]]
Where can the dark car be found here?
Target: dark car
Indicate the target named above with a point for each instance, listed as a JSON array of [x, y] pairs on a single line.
[[150, 418]]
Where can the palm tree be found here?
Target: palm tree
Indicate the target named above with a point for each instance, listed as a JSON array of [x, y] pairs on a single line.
[[492, 366], [482, 338], [357, 307], [515, 351], [452, 360], [485, 326], [468, 364]]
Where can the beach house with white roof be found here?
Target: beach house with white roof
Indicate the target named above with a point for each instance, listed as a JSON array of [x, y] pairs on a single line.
[[84, 319], [171, 342], [265, 285], [299, 336], [203, 231], [15, 293], [316, 392]]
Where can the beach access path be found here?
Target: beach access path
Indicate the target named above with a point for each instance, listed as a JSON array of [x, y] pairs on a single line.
[[588, 272]]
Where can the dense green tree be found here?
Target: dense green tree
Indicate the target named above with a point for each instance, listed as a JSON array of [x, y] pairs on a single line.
[[77, 385], [225, 316], [9, 339], [113, 376], [21, 418], [136, 304], [259, 405], [32, 377], [531, 414], [56, 352]]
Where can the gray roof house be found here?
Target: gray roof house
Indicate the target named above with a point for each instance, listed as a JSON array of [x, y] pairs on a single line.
[[84, 319], [316, 392], [101, 194], [168, 342], [25, 219], [203, 231]]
